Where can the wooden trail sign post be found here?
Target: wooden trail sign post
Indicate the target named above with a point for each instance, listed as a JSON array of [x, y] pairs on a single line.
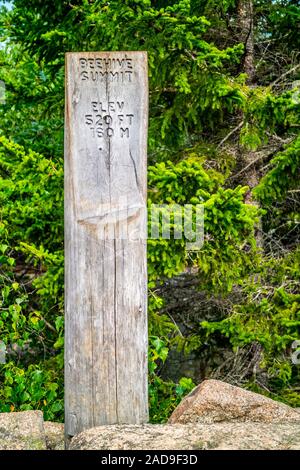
[[105, 239]]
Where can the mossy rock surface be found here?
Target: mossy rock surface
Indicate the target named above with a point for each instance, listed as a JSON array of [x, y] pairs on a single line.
[[22, 431], [217, 436]]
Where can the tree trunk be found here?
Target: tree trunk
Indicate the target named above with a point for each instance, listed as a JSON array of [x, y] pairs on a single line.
[[245, 27]]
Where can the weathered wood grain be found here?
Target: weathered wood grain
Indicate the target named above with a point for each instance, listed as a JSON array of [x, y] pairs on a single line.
[[105, 247]]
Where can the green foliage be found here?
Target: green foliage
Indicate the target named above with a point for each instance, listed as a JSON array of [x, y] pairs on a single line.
[[269, 316], [31, 281], [283, 176], [229, 224], [24, 116], [165, 396], [281, 21], [35, 388], [277, 190], [265, 110], [27, 186]]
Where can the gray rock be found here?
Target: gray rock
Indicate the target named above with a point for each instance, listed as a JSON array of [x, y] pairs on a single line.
[[219, 436], [214, 401], [54, 435], [22, 431]]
